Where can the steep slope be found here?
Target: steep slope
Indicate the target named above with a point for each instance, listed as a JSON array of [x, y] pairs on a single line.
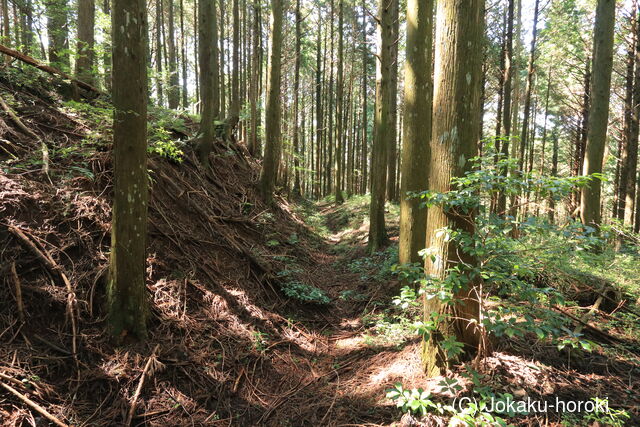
[[226, 346]]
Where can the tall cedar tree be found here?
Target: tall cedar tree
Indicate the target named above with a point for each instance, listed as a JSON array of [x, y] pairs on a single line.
[[84, 50], [127, 297], [208, 62], [454, 140], [58, 33], [273, 144], [418, 98], [377, 229], [599, 109]]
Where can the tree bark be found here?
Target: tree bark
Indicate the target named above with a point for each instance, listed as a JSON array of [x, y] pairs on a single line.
[[506, 100], [392, 153], [58, 33], [377, 229], [458, 67], [207, 54], [173, 95], [84, 49], [127, 292], [418, 98], [599, 111], [340, 131], [272, 126]]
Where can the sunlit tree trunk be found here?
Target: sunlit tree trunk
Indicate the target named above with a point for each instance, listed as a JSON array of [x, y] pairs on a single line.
[[340, 131], [506, 99], [377, 228], [58, 32], [454, 140], [273, 144], [599, 111], [418, 89], [84, 50]]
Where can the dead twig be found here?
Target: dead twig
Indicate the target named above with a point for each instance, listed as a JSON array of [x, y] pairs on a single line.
[[29, 132], [18, 287], [33, 405], [55, 269], [136, 395]]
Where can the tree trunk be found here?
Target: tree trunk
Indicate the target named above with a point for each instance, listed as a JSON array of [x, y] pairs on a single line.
[[159, 77], [127, 292], [340, 131], [377, 229], [458, 67], [418, 97], [392, 153], [207, 55], [84, 50], [630, 157], [506, 96], [173, 95], [296, 102], [272, 126], [58, 32], [254, 143], [183, 48], [234, 103], [365, 113], [599, 111], [319, 116], [524, 136]]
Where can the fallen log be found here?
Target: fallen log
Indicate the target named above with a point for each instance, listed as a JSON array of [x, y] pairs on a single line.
[[47, 68]]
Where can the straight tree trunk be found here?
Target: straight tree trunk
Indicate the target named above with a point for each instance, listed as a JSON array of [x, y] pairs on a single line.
[[183, 37], [84, 50], [392, 153], [296, 102], [207, 55], [254, 143], [126, 291], [524, 136], [319, 115], [554, 171], [6, 26], [506, 112], [234, 104], [106, 57], [630, 157], [377, 228], [340, 131], [365, 112], [173, 95], [418, 104], [458, 68], [159, 44], [58, 32], [222, 60], [272, 126], [599, 111]]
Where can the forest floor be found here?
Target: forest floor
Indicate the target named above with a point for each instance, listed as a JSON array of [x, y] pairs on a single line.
[[260, 315]]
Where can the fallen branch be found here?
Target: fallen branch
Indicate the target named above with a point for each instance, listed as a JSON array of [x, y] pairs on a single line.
[[51, 70], [18, 287], [55, 269], [591, 328], [34, 405], [29, 132], [136, 395]]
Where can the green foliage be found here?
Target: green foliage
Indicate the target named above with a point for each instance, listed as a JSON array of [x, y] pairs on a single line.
[[305, 293], [506, 251], [416, 401]]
